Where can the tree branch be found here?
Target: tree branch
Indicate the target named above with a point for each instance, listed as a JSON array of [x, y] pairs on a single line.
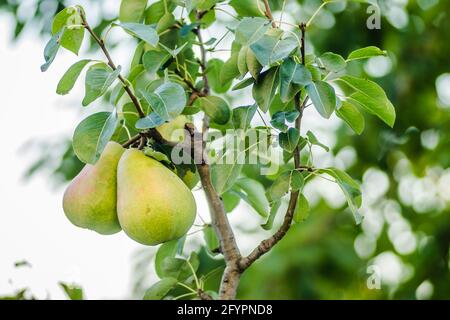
[[219, 219], [269, 13], [151, 133], [267, 244]]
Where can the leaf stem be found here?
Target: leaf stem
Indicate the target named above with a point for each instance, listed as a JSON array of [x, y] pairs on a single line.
[[268, 13]]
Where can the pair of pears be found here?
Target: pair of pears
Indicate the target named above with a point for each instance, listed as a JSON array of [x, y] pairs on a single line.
[[127, 190]]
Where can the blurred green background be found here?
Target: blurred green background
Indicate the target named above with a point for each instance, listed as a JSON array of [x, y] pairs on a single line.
[[404, 171]]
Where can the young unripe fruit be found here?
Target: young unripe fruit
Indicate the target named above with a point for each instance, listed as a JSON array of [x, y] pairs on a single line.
[[173, 130], [90, 199], [153, 203]]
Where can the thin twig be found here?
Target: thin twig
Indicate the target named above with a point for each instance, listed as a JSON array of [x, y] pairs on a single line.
[[152, 133], [269, 13], [267, 244]]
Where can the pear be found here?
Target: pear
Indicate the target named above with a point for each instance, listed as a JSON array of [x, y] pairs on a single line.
[[90, 200], [153, 203], [172, 131]]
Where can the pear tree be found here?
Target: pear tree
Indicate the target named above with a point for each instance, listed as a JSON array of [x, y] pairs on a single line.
[[173, 124]]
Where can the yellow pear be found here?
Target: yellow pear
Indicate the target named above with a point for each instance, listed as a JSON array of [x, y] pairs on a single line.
[[172, 131], [153, 203], [90, 200]]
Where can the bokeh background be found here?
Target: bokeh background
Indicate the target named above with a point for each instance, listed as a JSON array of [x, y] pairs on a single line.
[[402, 244]]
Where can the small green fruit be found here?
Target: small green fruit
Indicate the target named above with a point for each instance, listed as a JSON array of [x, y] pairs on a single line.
[[90, 200], [169, 130], [153, 203]]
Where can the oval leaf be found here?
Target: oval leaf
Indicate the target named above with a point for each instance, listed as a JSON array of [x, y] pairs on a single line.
[[371, 97], [70, 77], [323, 97], [141, 31], [99, 78], [351, 115], [216, 108], [92, 135], [160, 289]]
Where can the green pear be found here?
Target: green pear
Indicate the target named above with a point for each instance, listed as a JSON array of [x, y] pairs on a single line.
[[169, 130], [153, 203], [90, 200]]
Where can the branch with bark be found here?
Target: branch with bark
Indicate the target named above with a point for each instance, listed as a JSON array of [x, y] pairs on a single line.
[[235, 264]]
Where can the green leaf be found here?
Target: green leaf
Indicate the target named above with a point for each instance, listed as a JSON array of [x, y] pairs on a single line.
[[132, 10], [279, 119], [50, 51], [253, 65], [371, 97], [70, 77], [289, 140], [292, 76], [119, 90], [216, 108], [166, 21], [205, 5], [254, 195], [157, 10], [73, 292], [230, 70], [243, 84], [166, 250], [224, 176], [349, 187], [246, 8], [211, 240], [68, 21], [323, 97], [351, 115], [365, 53], [92, 135], [297, 180], [265, 87], [141, 31], [273, 213], [99, 78], [242, 61], [279, 187], [167, 101], [158, 156], [242, 116], [272, 47], [250, 30], [332, 62], [301, 212], [214, 70], [230, 200], [160, 289], [313, 140], [153, 120], [154, 60], [179, 268]]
